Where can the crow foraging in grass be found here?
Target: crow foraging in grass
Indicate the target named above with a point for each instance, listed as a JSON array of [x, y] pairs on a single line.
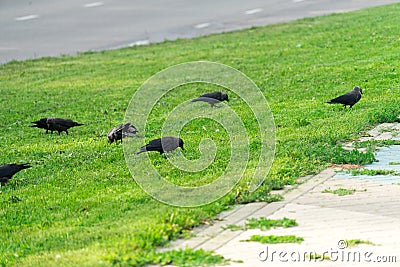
[[41, 124], [162, 145], [55, 124], [60, 125], [7, 171], [348, 99], [123, 130], [212, 98]]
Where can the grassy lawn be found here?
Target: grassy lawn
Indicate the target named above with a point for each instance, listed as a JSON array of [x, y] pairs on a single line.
[[79, 206]]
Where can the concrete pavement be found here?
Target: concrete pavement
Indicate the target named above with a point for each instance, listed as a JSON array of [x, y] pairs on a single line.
[[325, 221]]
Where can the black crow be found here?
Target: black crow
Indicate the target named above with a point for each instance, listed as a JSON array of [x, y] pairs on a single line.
[[162, 145], [212, 98], [7, 171], [123, 130], [41, 124], [221, 96], [348, 99], [60, 125]]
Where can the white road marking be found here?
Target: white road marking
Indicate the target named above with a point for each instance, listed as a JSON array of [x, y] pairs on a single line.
[[94, 4], [297, 1], [34, 16], [140, 42], [253, 11], [202, 25]]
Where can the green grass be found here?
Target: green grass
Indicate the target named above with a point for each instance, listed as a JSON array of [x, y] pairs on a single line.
[[317, 257], [340, 191], [355, 242], [355, 172], [79, 205], [274, 239], [263, 223], [373, 145], [257, 196], [181, 258]]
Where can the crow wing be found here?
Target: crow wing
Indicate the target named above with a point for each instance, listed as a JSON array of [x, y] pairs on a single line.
[[65, 123], [221, 96], [164, 144], [346, 99], [117, 132], [59, 124], [169, 143], [215, 95], [128, 129]]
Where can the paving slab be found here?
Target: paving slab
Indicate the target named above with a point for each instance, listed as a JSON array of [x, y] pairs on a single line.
[[326, 221], [371, 214]]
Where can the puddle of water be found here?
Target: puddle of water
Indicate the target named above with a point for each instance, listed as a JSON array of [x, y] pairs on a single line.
[[386, 157], [382, 179]]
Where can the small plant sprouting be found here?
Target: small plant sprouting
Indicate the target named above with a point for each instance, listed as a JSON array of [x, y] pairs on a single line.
[[355, 172], [263, 223], [234, 227], [340, 191], [314, 256], [274, 239], [355, 242]]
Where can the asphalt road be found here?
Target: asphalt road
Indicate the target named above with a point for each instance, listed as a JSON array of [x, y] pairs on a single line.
[[37, 28]]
